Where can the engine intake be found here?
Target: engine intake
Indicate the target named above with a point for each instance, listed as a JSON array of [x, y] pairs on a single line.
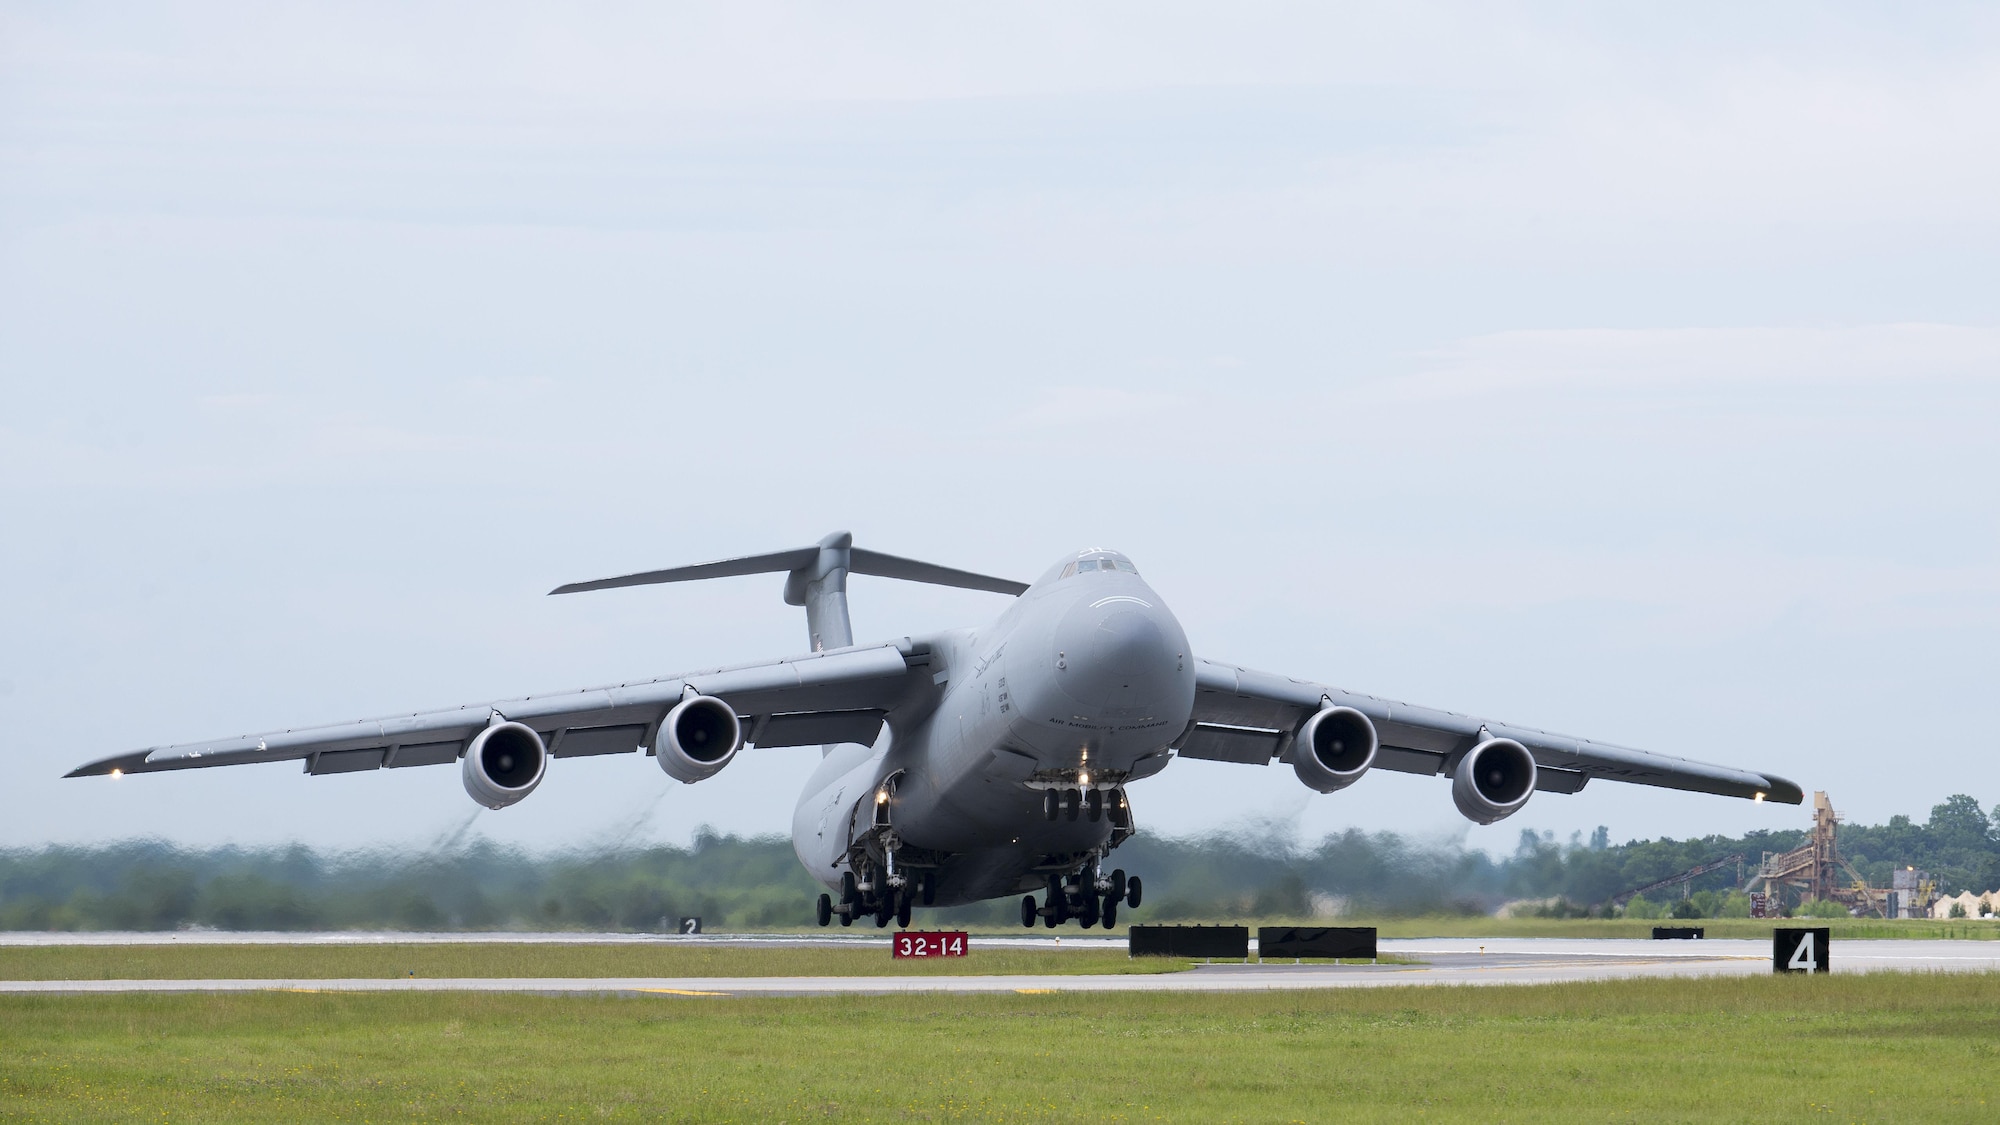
[[1493, 780], [697, 738], [1333, 749], [504, 764]]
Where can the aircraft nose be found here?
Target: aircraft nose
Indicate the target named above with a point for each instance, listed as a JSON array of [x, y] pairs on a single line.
[[1119, 656], [1125, 641]]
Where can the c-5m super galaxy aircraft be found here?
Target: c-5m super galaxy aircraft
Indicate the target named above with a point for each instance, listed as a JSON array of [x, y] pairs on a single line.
[[974, 763]]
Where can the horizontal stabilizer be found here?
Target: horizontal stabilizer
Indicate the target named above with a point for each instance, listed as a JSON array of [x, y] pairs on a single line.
[[910, 570], [806, 563], [778, 562]]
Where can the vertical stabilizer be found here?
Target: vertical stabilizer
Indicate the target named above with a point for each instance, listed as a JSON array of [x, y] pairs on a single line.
[[821, 587]]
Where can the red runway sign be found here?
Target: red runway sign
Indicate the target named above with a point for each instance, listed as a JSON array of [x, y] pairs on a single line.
[[923, 944]]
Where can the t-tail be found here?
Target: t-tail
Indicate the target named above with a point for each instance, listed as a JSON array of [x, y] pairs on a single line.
[[816, 578]]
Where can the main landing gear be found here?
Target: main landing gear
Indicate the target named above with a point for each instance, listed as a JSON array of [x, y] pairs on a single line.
[[1089, 896], [881, 895]]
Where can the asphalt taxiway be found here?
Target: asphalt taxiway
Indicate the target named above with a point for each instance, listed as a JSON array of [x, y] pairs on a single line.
[[1437, 961]]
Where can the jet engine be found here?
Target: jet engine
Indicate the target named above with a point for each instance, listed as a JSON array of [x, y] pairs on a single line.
[[504, 764], [697, 738], [1493, 780], [1333, 749]]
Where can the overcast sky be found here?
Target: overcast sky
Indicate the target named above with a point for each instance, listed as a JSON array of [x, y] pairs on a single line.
[[1634, 374]]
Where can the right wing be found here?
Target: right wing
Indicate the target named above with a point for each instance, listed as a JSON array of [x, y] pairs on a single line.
[[1242, 715], [838, 696]]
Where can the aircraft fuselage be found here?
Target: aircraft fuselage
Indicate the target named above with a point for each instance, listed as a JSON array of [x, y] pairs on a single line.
[[1081, 685]]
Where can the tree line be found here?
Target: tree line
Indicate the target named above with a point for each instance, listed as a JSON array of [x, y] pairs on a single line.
[[746, 883]]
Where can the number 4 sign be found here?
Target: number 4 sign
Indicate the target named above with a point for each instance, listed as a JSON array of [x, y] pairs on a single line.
[[1801, 951]]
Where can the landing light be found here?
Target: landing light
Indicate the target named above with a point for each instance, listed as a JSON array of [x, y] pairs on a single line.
[[1759, 798], [1083, 778], [117, 773], [881, 796]]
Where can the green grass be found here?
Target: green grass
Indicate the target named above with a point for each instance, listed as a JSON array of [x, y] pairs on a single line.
[[262, 962], [1874, 1047]]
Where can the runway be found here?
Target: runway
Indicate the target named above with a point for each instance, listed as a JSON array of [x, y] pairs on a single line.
[[1444, 961]]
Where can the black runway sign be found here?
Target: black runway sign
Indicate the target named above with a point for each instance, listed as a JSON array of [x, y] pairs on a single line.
[[1801, 951], [1322, 941]]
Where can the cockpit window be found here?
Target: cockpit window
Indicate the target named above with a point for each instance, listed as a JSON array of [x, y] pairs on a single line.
[[1082, 566]]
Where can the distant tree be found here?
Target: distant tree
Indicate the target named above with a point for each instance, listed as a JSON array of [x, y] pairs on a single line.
[[1687, 908], [1600, 839], [1823, 908], [1640, 907], [1957, 910], [1959, 823]]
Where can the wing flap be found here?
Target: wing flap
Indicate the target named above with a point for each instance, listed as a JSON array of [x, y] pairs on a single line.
[[819, 728], [1250, 746]]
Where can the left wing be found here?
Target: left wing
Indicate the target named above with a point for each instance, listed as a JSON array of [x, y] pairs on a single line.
[[1246, 716], [839, 696]]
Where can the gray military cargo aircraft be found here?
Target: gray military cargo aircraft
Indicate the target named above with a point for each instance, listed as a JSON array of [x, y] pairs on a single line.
[[974, 763]]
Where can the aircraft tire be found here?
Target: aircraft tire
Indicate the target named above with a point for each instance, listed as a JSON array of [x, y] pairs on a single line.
[[825, 911], [849, 892], [1117, 882], [1093, 805], [1028, 911], [1051, 804], [1049, 919], [903, 909], [1087, 914], [1072, 803], [929, 885], [1132, 892], [847, 917], [1110, 916]]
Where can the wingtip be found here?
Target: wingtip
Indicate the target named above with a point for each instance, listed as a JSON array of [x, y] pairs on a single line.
[[1783, 791], [124, 763]]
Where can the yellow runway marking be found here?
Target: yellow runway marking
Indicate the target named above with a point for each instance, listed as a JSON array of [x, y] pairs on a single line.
[[679, 992]]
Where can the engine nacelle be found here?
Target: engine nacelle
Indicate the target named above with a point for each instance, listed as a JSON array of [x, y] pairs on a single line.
[[504, 764], [1333, 749], [1493, 780], [697, 738]]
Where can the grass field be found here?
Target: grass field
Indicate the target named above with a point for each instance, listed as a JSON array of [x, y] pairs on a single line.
[[264, 962], [1856, 1048]]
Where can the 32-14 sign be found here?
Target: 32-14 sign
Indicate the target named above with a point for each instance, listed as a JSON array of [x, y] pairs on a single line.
[[929, 944]]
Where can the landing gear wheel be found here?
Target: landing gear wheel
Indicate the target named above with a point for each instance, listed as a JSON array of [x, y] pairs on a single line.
[[1058, 901], [1049, 913], [1087, 913], [1117, 882], [825, 911], [849, 892], [1028, 911], [1072, 803], [1051, 804], [1132, 890], [929, 885], [1110, 915], [1093, 804], [885, 909], [903, 909], [846, 916]]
